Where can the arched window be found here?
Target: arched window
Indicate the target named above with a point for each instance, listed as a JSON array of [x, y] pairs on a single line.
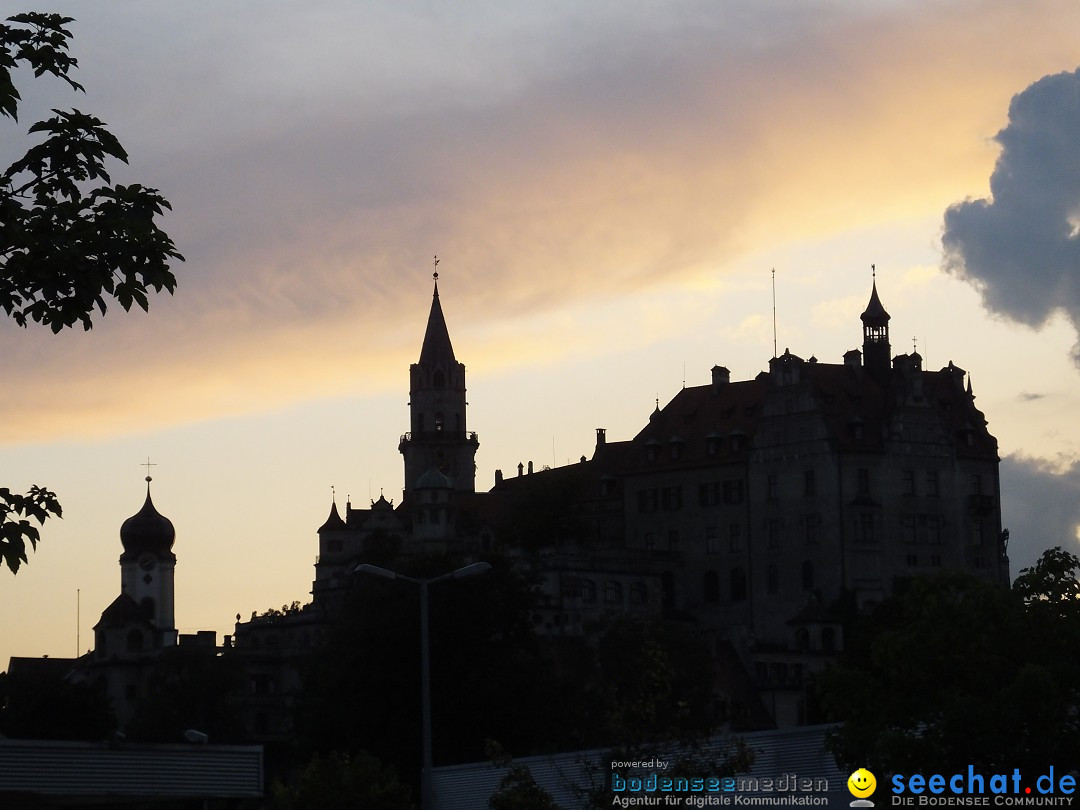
[[438, 422], [802, 639], [711, 587], [588, 590], [639, 593], [613, 592], [439, 380], [738, 585]]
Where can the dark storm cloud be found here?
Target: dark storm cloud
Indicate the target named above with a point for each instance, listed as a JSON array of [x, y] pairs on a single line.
[[1040, 507], [1021, 246]]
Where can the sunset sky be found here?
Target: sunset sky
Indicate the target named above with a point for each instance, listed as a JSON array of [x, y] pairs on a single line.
[[607, 186]]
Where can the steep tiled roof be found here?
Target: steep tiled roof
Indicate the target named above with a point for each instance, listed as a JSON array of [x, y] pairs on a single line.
[[437, 349]]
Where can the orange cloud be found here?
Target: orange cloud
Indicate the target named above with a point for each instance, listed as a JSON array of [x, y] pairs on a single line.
[[309, 248]]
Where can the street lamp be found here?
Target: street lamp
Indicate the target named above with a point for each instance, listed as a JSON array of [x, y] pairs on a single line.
[[427, 791]]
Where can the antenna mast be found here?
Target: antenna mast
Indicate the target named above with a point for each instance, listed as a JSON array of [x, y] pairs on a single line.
[[774, 312]]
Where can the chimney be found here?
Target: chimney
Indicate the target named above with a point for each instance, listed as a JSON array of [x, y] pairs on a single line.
[[720, 377], [601, 437], [530, 468], [498, 477]]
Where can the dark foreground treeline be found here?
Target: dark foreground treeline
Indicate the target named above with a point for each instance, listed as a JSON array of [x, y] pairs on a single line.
[[948, 673]]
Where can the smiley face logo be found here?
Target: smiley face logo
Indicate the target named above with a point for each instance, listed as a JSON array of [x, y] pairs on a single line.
[[861, 783]]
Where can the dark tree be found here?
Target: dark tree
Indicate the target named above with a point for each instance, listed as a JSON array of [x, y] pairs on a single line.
[[16, 530], [49, 707], [489, 674], [1051, 585], [651, 685], [190, 689], [70, 239], [960, 672], [341, 780]]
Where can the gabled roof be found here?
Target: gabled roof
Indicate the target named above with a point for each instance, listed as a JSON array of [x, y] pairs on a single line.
[[41, 669], [123, 611], [437, 349]]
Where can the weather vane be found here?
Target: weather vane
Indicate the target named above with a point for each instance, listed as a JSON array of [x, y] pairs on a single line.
[[148, 464], [435, 275]]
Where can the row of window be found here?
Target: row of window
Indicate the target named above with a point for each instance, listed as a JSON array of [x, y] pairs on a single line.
[[915, 529], [586, 590], [920, 529], [710, 583], [732, 491], [714, 445], [710, 493], [439, 423]]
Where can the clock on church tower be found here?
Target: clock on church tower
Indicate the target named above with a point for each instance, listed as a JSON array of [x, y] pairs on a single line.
[[147, 565]]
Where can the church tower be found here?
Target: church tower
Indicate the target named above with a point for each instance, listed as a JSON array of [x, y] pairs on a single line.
[[147, 566], [438, 438], [876, 351]]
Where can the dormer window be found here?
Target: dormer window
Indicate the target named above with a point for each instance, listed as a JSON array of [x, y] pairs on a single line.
[[652, 451]]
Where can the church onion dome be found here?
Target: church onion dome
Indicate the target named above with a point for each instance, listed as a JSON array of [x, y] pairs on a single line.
[[437, 349], [333, 523], [147, 530], [433, 479], [875, 314]]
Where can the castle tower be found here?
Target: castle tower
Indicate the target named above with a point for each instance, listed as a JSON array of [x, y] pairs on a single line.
[[876, 350], [438, 437], [147, 566]]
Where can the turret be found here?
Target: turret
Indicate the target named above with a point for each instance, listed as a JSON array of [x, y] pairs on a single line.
[[147, 565], [876, 350]]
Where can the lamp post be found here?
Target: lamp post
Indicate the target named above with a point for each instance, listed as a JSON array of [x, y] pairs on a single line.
[[427, 791]]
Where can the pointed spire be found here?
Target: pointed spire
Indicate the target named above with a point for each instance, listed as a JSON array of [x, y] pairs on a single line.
[[334, 521], [437, 348], [875, 314]]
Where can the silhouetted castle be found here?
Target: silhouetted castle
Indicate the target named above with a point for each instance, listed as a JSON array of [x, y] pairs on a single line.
[[758, 510]]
